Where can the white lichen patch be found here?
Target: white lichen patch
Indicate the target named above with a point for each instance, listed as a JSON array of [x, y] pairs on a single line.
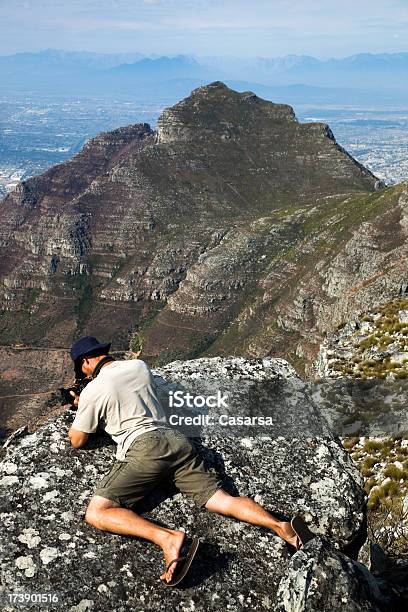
[[84, 604], [59, 472], [247, 443], [8, 467], [50, 496], [27, 565], [126, 568], [322, 451], [8, 481], [7, 519], [39, 482], [48, 554], [92, 469], [84, 495], [30, 537], [28, 440], [90, 555], [324, 486]]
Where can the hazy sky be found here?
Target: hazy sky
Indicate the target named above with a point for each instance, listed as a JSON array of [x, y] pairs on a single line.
[[270, 28]]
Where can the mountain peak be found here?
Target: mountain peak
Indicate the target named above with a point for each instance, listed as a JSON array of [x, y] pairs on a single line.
[[215, 109]]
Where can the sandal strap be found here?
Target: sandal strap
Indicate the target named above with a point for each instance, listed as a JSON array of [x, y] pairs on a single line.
[[175, 561], [299, 543]]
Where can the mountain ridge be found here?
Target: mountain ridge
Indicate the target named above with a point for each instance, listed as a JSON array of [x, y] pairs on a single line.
[[149, 184]]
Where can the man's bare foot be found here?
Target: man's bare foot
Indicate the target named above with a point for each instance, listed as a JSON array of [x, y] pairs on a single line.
[[287, 533], [171, 549]]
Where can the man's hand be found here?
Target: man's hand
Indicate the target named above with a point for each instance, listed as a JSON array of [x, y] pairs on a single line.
[[76, 400]]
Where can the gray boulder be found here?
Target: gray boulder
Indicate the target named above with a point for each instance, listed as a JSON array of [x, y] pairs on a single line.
[[320, 578], [294, 465]]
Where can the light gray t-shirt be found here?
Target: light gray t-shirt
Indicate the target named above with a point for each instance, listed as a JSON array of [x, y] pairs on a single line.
[[123, 399]]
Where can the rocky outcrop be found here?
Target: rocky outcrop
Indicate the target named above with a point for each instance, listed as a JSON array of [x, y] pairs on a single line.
[[47, 547], [363, 373], [321, 578]]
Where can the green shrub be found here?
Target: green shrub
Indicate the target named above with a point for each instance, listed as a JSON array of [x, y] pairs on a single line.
[[391, 514], [349, 443], [369, 484], [392, 471], [389, 488], [369, 462], [370, 341], [135, 344], [373, 500], [373, 445]]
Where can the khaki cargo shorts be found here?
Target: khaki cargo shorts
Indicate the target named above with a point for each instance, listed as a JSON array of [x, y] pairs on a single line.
[[160, 455]]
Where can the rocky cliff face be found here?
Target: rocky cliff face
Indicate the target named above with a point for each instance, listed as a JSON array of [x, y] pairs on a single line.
[[204, 227]]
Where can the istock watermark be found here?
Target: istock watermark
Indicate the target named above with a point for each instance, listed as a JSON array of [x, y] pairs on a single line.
[[224, 420], [178, 399], [194, 413]]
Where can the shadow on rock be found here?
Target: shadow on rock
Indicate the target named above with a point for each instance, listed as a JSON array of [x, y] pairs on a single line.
[[208, 561]]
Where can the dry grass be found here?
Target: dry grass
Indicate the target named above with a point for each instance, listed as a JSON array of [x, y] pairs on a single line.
[[387, 329], [386, 485]]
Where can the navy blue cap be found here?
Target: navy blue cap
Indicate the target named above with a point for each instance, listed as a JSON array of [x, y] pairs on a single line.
[[85, 346]]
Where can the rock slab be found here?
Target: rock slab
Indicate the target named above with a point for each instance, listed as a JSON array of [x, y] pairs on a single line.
[[47, 547]]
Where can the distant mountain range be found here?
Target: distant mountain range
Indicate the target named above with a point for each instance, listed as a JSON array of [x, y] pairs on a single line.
[[360, 77], [79, 60], [387, 70]]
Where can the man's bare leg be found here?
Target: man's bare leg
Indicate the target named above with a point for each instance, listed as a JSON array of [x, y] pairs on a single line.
[[108, 515], [246, 509]]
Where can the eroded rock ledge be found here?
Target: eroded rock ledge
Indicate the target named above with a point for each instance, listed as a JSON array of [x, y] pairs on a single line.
[[47, 547]]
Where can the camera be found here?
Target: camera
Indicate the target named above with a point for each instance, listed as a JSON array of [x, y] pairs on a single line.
[[78, 386]]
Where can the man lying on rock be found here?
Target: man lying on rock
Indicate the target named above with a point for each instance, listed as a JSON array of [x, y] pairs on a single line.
[[122, 398]]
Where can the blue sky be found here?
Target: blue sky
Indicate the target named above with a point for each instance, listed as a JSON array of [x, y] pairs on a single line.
[[242, 28]]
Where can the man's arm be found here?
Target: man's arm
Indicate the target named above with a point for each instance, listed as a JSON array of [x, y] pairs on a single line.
[[78, 438]]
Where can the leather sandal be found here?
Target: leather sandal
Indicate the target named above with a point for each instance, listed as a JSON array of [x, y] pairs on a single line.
[[184, 564], [303, 533]]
